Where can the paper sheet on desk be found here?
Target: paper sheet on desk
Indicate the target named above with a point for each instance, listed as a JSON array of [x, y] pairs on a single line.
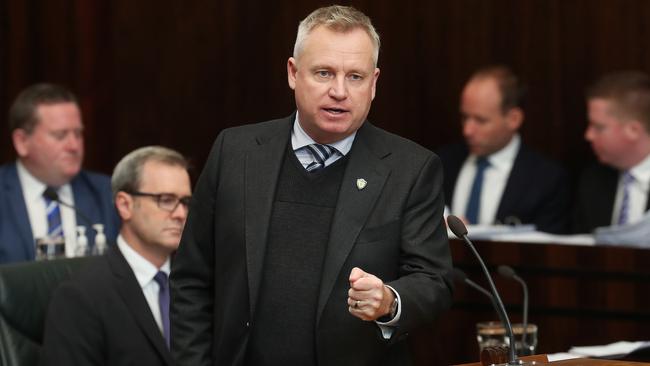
[[616, 348], [636, 234], [523, 234]]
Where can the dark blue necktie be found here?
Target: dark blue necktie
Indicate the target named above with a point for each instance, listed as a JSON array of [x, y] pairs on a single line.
[[54, 223], [474, 202], [320, 153], [163, 302]]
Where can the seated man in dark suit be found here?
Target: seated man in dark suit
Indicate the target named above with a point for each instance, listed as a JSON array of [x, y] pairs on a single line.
[[615, 190], [47, 133], [116, 310], [494, 177]]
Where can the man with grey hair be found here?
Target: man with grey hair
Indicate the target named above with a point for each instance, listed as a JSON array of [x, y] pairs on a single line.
[[316, 239], [116, 310], [47, 133]]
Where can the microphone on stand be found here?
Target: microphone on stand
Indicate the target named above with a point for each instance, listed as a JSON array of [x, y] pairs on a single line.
[[51, 194], [509, 272], [459, 229], [459, 275]]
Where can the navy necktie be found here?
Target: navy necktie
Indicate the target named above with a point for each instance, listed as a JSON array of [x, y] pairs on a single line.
[[163, 302], [474, 202], [320, 153], [628, 179], [54, 223]]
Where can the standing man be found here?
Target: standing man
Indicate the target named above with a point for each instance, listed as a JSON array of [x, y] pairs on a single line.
[[316, 239], [116, 311], [615, 190], [47, 133], [494, 177]]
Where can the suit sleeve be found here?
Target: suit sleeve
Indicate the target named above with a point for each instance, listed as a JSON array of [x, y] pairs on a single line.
[[553, 214], [73, 331], [192, 288], [425, 257]]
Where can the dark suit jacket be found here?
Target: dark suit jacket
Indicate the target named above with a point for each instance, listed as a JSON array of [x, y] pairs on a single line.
[[594, 204], [101, 317], [92, 196], [392, 228], [537, 191]]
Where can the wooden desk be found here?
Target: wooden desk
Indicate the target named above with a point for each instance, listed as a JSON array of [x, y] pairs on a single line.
[[579, 295]]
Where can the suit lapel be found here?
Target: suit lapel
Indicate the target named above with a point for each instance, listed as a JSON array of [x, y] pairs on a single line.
[[352, 208], [132, 295], [263, 164], [14, 194]]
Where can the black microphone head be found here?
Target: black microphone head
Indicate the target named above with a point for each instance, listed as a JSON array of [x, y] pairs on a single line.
[[50, 194], [506, 271], [456, 225]]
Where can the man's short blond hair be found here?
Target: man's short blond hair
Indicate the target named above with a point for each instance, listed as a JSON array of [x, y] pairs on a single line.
[[629, 93], [340, 19]]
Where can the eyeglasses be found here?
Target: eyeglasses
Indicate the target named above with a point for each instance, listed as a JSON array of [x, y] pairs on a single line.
[[166, 201]]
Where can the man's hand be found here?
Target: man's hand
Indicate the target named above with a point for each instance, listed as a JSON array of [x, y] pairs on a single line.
[[368, 297]]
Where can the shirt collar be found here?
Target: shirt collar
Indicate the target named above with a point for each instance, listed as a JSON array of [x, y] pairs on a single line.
[[641, 172], [300, 139], [32, 188], [504, 158], [143, 269]]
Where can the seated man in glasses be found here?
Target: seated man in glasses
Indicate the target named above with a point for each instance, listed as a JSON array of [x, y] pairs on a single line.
[[116, 311]]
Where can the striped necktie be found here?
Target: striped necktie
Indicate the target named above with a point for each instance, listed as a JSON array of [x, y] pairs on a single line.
[[54, 223], [628, 179], [320, 154]]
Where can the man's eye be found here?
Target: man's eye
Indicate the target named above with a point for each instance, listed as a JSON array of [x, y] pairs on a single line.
[[59, 135], [167, 200], [356, 77], [323, 73]]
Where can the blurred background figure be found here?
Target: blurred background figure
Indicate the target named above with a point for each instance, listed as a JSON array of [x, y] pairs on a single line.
[[47, 134], [494, 177], [614, 191], [116, 310]]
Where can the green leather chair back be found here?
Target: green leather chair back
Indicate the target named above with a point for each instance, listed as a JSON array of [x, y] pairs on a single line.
[[25, 291]]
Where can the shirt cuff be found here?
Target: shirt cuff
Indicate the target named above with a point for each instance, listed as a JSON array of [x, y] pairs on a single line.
[[387, 328]]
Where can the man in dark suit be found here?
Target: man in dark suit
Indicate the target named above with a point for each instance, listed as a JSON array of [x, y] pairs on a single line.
[[116, 310], [317, 239], [494, 177], [47, 133], [614, 191]]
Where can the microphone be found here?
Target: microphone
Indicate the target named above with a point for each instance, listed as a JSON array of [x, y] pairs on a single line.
[[458, 275], [509, 272], [458, 228], [50, 194]]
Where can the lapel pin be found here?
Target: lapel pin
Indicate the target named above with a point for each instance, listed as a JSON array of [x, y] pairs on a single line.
[[361, 183]]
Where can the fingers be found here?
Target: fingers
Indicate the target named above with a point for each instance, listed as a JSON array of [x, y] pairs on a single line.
[[365, 295]]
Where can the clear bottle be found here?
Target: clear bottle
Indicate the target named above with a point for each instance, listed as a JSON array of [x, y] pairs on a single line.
[[100, 240], [81, 249]]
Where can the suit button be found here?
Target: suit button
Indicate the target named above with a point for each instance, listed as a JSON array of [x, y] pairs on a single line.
[[248, 324]]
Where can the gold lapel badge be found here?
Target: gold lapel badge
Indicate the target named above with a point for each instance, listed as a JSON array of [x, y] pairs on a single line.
[[361, 183]]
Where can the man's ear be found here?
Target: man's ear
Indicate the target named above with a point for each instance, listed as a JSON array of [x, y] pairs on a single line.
[[20, 138], [292, 69], [634, 129], [124, 205], [515, 117]]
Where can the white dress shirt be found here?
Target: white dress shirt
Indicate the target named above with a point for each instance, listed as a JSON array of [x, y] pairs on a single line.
[[638, 193], [145, 272], [36, 208], [300, 139], [495, 179]]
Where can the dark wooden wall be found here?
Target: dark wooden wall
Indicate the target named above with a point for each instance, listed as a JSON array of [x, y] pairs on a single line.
[[176, 73]]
